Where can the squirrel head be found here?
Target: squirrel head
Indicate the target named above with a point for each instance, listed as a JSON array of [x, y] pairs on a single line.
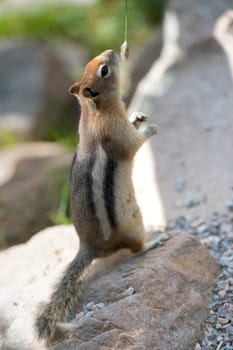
[[100, 80]]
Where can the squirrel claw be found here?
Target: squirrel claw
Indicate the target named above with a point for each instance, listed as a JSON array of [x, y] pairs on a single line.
[[136, 118]]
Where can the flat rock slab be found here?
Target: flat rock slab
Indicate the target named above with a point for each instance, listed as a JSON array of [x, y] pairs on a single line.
[[195, 119], [188, 166], [166, 310]]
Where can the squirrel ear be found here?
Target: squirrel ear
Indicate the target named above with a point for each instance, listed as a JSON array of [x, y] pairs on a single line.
[[74, 89]]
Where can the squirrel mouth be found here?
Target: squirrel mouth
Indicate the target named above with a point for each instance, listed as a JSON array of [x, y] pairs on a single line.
[[88, 92]]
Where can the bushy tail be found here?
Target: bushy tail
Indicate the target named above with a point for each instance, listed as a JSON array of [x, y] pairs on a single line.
[[64, 296]]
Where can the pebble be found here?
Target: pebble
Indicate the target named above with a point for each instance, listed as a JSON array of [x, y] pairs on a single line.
[[180, 185], [128, 292], [217, 235], [202, 228], [89, 314], [100, 305], [190, 203], [229, 205], [92, 307], [197, 222]]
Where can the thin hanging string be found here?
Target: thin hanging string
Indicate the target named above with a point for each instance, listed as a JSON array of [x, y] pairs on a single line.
[[124, 46], [126, 20]]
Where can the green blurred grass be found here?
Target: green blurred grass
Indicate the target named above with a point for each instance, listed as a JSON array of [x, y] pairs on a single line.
[[8, 139], [96, 27]]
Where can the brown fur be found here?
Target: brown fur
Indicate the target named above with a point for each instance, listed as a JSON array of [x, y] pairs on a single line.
[[104, 209]]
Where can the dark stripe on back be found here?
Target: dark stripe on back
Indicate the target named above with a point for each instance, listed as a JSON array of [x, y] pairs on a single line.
[[109, 191], [88, 184], [72, 164]]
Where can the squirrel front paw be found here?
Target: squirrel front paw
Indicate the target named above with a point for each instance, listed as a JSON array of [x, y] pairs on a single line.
[[137, 118], [149, 130]]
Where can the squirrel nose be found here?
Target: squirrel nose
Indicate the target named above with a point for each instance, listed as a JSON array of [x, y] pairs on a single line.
[[110, 56], [108, 53]]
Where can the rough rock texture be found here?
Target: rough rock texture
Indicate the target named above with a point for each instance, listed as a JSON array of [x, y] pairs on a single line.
[[34, 97], [31, 180], [171, 287]]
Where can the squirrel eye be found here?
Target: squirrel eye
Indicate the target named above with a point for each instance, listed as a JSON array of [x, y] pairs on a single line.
[[104, 71]]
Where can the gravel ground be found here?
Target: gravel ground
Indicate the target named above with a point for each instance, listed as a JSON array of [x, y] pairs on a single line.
[[217, 235]]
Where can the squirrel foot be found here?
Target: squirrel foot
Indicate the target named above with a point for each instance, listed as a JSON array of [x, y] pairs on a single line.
[[157, 242]]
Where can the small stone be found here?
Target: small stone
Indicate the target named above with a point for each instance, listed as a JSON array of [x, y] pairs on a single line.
[[227, 262], [128, 292], [225, 228], [90, 307], [202, 228], [100, 305], [218, 326], [207, 241], [197, 347], [212, 337], [222, 312], [229, 330], [197, 222], [219, 338], [223, 320], [229, 205], [222, 293], [189, 203], [89, 314], [180, 185]]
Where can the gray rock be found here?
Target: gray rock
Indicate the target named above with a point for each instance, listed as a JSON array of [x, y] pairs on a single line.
[[34, 99], [100, 305], [202, 228], [30, 189], [153, 313], [196, 19], [128, 292]]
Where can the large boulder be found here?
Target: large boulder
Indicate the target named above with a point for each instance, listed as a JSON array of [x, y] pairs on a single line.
[[186, 169], [158, 300], [31, 181]]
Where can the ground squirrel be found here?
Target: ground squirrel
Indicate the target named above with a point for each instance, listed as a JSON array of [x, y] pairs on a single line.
[[103, 205]]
